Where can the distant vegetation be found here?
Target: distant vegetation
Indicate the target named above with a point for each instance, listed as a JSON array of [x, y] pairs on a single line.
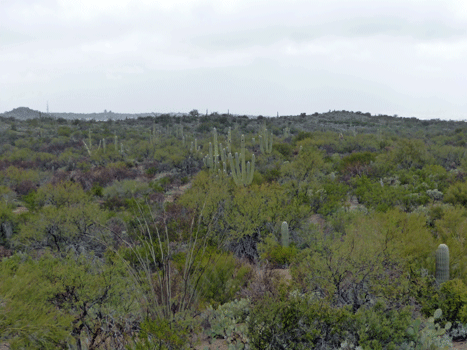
[[171, 231]]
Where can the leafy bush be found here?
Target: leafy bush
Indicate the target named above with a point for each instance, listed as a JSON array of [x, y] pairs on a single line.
[[222, 279], [161, 334], [283, 148], [453, 297], [295, 321], [228, 322], [275, 254], [379, 327], [428, 335]]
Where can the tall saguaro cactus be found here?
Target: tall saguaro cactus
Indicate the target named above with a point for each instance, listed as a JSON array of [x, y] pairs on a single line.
[[242, 171], [265, 141], [442, 264], [216, 146], [285, 238]]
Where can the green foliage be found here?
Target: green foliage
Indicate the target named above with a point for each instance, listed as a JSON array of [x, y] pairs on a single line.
[[280, 255], [222, 279], [367, 260], [27, 318], [356, 160], [284, 149], [64, 219], [453, 301], [274, 253], [368, 208], [161, 334], [452, 230], [97, 190], [380, 327], [228, 322], [294, 321], [409, 153], [51, 302], [302, 135], [456, 194], [428, 335], [64, 131], [127, 189]]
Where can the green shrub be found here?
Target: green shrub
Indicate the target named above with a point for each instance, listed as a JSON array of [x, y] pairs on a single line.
[[161, 334], [280, 256], [283, 148], [453, 301], [295, 321], [379, 327], [228, 322], [428, 335], [222, 279]]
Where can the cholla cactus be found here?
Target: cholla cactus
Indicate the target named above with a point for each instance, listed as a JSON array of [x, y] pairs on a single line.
[[243, 175], [285, 239], [442, 264]]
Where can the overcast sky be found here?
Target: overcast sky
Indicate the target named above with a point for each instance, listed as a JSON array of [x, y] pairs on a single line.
[[249, 56]]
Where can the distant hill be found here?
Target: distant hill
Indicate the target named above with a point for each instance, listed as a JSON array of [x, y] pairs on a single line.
[[103, 115], [23, 113]]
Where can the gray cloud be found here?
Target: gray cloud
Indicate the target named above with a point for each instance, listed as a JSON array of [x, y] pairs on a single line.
[[396, 57]]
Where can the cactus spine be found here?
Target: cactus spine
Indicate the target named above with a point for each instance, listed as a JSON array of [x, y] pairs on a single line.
[[442, 264], [285, 239]]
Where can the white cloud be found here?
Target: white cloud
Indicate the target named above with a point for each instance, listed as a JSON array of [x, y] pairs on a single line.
[[456, 50]]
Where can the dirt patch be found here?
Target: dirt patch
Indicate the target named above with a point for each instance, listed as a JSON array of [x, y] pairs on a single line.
[[220, 344], [176, 192], [20, 210], [460, 345]]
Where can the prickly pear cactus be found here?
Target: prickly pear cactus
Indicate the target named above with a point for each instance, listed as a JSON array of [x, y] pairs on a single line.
[[442, 264]]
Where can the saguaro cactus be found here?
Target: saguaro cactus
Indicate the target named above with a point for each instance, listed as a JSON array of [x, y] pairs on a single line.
[[243, 175], [442, 264], [265, 141], [216, 146], [285, 239]]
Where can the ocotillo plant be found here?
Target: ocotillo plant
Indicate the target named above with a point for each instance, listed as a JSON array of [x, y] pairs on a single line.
[[442, 264], [243, 175], [285, 239]]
